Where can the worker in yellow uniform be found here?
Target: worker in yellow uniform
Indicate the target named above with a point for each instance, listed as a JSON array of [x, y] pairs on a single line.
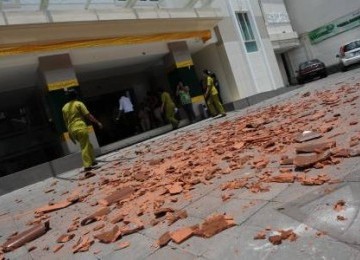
[[75, 113], [168, 106], [212, 95]]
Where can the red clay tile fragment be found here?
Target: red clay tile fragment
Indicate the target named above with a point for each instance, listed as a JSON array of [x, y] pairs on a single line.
[[117, 196], [123, 245], [164, 239], [109, 236], [173, 217], [96, 216], [286, 177], [54, 207], [315, 147], [304, 161], [182, 234], [26, 236], [65, 238], [57, 248], [214, 225], [175, 189], [83, 244], [260, 235], [307, 136], [162, 212], [117, 218], [98, 227], [32, 248], [275, 240], [339, 205]]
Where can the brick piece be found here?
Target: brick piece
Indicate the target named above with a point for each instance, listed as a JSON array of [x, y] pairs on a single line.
[[182, 234], [162, 212], [303, 137], [96, 216], [339, 205], [260, 235], [83, 244], [65, 238], [315, 147], [54, 207], [275, 240], [175, 189], [214, 225], [177, 215], [286, 177], [21, 239], [123, 245], [305, 161], [117, 196], [109, 236], [164, 239]]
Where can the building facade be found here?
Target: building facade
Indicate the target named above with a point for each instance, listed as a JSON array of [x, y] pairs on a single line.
[[323, 26], [109, 46]]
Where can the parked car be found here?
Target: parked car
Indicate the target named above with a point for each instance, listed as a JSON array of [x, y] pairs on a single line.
[[310, 70], [349, 54]]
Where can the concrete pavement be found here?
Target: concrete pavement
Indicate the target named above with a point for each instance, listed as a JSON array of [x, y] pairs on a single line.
[[307, 210]]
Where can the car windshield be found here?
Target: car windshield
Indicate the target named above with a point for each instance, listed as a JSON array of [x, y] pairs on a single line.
[[308, 63], [351, 46]]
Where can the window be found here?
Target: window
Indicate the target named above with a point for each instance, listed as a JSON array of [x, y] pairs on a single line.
[[247, 32]]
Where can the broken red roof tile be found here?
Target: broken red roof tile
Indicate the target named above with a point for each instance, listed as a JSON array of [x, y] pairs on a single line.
[[182, 234], [174, 189], [98, 227], [95, 216], [315, 147], [275, 240], [162, 212], [54, 207], [214, 225], [164, 239], [57, 248], [83, 244], [117, 196], [109, 236], [177, 215], [122, 245], [260, 235], [339, 205], [304, 161], [29, 235], [307, 136], [65, 238], [286, 177]]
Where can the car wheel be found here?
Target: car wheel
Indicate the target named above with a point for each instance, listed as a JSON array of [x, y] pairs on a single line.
[[324, 75], [344, 68]]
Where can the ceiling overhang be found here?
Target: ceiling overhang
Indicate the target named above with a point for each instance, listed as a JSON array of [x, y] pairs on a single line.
[[16, 39]]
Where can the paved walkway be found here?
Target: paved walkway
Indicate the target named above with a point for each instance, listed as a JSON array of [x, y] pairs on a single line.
[[307, 210]]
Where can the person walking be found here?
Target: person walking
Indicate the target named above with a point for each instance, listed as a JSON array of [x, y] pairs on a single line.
[[75, 114], [168, 107], [212, 95], [183, 93], [126, 109]]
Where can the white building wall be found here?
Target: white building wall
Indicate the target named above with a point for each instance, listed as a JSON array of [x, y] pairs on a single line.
[[244, 73]]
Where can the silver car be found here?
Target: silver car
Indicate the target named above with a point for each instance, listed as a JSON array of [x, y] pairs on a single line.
[[349, 54]]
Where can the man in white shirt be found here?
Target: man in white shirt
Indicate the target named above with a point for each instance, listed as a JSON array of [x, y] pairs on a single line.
[[126, 109]]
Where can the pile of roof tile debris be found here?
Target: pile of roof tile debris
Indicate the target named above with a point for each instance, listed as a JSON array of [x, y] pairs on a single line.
[[278, 144]]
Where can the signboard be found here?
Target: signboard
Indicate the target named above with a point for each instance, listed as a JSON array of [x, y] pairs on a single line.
[[335, 27]]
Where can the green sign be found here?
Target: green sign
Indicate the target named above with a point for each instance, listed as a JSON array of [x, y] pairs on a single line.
[[336, 27]]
